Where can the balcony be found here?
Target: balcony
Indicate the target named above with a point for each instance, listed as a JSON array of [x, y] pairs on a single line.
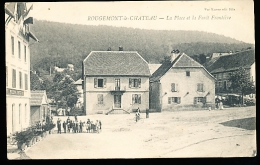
[[117, 90]]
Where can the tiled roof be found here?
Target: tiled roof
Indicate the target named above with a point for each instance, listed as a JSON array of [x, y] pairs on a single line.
[[153, 67], [181, 60], [163, 69], [122, 63], [37, 97], [232, 62]]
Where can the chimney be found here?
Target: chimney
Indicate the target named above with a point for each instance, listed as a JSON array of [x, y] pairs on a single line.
[[174, 54], [120, 48]]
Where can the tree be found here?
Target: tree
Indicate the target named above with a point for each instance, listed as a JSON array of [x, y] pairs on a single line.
[[241, 82]]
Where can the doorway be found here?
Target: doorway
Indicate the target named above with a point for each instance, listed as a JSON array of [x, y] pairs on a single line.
[[117, 101]]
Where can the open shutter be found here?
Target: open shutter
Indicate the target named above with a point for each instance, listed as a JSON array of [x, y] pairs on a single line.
[[179, 100], [195, 100], [82, 84], [176, 87], [172, 87], [139, 99], [104, 82], [198, 87], [139, 83], [204, 100], [169, 100], [130, 85], [133, 98], [202, 89], [95, 82]]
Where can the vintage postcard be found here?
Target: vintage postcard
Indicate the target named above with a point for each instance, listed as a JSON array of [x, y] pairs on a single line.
[[91, 80]]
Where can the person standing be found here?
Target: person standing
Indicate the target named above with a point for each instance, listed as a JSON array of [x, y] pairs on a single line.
[[76, 127], [76, 118], [100, 124], [64, 126], [217, 102], [80, 126], [59, 125]]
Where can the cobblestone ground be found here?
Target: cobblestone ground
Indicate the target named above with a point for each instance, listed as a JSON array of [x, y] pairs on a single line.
[[216, 133]]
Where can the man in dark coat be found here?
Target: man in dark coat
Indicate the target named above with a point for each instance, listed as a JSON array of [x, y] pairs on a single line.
[[80, 126], [59, 125], [76, 127], [100, 124], [64, 126]]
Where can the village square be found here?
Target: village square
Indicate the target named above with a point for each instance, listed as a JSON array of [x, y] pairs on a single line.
[[117, 103]]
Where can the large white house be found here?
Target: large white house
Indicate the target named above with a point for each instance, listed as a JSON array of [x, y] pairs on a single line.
[[115, 82], [17, 53]]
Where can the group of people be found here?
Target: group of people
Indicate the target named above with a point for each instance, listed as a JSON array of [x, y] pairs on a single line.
[[219, 103], [78, 127]]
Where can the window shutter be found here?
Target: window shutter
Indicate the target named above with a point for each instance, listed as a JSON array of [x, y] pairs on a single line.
[[130, 80], [202, 89], [204, 100], [179, 100], [139, 99], [139, 83], [173, 87], [169, 100], [198, 87], [104, 82], [195, 100], [177, 88], [133, 98], [101, 99], [95, 82]]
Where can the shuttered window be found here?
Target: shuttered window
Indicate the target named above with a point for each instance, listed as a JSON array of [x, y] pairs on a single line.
[[20, 80], [25, 55], [100, 82], [200, 100], [14, 79], [174, 100], [200, 87], [136, 98], [134, 83], [174, 87], [19, 49], [12, 42]]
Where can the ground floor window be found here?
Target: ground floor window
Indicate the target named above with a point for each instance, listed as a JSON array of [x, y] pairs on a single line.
[[136, 98], [199, 100], [174, 100]]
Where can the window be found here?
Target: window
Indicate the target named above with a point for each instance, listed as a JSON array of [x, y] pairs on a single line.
[[187, 73], [174, 87], [25, 53], [19, 49], [100, 82], [199, 100], [134, 83], [20, 80], [136, 98], [225, 85], [12, 42], [100, 98], [25, 81], [200, 87], [174, 100], [14, 79]]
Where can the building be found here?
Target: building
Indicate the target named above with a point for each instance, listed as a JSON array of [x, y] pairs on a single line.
[[181, 83], [221, 67], [39, 106], [115, 82], [78, 85], [17, 52]]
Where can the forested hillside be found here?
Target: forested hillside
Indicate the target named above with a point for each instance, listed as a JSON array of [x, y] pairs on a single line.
[[62, 43]]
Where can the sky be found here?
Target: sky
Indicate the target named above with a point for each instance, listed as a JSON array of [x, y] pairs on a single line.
[[233, 19]]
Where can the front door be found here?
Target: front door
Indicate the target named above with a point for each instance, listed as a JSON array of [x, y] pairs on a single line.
[[117, 101]]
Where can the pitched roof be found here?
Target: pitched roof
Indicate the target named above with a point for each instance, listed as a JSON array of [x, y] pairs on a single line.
[[37, 97], [182, 60], [153, 67], [232, 62], [123, 63]]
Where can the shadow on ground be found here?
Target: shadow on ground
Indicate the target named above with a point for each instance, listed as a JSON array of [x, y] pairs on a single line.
[[246, 123]]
